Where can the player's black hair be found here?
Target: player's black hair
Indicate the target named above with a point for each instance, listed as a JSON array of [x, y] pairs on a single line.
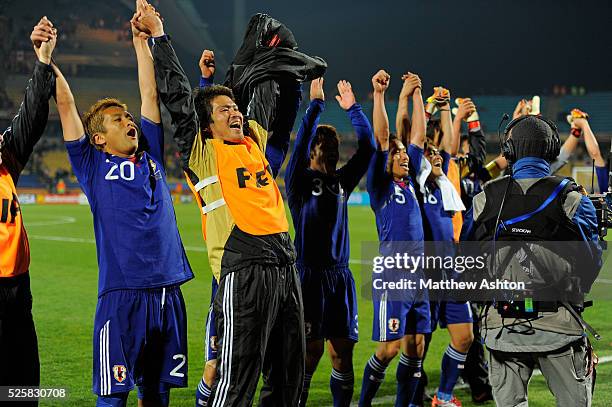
[[203, 98], [325, 134]]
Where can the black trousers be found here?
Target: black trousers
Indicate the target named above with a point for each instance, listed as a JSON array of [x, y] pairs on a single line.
[[260, 330], [19, 363]]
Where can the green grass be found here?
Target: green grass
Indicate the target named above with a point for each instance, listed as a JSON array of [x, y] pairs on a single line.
[[64, 285]]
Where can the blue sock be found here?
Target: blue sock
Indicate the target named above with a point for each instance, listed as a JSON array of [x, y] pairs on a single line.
[[408, 376], [164, 398], [202, 394], [373, 376], [305, 389], [341, 385], [162, 394], [453, 363]]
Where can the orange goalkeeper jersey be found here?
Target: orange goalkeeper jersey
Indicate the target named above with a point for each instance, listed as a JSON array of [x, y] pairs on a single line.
[[14, 247]]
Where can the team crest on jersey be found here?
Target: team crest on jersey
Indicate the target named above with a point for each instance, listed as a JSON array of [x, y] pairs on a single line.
[[213, 343], [119, 372], [154, 170], [394, 324]]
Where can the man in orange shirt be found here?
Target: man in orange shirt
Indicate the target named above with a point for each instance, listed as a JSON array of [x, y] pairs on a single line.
[[19, 364]]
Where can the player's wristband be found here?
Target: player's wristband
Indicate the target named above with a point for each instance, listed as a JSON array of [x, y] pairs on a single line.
[[493, 169], [161, 38], [474, 125], [576, 132]]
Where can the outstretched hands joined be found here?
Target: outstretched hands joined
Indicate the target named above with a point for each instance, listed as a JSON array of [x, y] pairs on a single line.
[[44, 38]]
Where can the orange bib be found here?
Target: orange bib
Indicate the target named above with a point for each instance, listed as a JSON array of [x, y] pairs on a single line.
[[249, 189], [14, 248]]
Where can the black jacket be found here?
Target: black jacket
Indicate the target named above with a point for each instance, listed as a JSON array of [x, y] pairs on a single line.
[[30, 121]]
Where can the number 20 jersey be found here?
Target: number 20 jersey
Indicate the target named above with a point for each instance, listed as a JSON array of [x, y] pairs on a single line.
[[137, 240]]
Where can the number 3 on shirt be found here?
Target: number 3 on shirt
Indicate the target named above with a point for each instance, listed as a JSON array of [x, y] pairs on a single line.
[[317, 188], [125, 170]]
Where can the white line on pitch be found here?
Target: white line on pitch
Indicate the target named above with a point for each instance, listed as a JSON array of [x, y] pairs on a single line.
[[92, 241], [59, 220]]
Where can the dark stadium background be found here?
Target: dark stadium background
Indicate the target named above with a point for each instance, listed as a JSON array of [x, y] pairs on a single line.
[[493, 51]]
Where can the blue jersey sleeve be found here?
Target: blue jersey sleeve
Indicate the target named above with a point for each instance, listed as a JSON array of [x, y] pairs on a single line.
[[467, 226], [586, 219], [205, 82], [415, 153], [82, 155], [357, 165], [154, 133], [300, 157], [445, 161], [378, 178], [602, 178]]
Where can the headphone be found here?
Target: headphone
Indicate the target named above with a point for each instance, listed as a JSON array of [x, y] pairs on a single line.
[[552, 150]]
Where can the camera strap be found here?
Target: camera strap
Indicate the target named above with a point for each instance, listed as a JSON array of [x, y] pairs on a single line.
[[579, 318], [504, 224]]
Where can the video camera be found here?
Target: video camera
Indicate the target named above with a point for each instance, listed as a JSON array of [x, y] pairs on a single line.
[[603, 210]]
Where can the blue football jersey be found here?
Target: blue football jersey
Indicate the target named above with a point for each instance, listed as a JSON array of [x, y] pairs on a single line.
[[395, 205], [318, 201], [438, 223], [137, 240]]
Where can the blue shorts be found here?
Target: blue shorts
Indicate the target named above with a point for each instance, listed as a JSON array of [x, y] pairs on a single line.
[[394, 319], [140, 338], [446, 313], [330, 303], [210, 339]]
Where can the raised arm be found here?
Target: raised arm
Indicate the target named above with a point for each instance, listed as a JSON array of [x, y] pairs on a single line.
[[357, 165], [299, 160], [207, 68], [465, 110], [149, 103], [72, 126], [31, 119], [172, 85], [594, 152], [446, 123], [419, 123], [402, 118], [590, 141], [476, 138], [380, 120]]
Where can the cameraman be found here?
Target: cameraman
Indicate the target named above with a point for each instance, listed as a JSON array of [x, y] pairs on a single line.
[[532, 206]]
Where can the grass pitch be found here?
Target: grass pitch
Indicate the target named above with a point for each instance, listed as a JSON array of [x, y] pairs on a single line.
[[64, 285]]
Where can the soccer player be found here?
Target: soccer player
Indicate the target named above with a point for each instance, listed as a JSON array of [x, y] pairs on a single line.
[[317, 193], [19, 363], [140, 328], [440, 201], [258, 306], [207, 68], [399, 323], [276, 151]]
